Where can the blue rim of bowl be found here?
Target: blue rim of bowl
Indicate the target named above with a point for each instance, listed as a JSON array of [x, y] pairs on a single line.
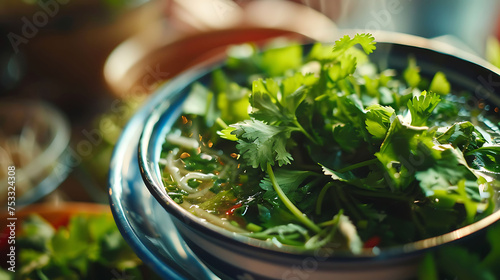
[[159, 122], [115, 177]]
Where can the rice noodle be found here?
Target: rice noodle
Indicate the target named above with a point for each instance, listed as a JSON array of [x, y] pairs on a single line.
[[199, 193], [230, 163], [182, 180], [197, 176], [186, 142], [176, 175], [212, 218]]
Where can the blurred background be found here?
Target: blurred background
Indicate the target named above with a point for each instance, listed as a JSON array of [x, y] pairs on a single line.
[[72, 72]]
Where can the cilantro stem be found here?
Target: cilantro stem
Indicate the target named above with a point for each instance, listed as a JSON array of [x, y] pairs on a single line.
[[321, 197], [334, 220], [310, 167], [348, 203], [358, 165], [388, 195], [221, 123], [288, 239], [416, 222], [295, 211], [301, 129]]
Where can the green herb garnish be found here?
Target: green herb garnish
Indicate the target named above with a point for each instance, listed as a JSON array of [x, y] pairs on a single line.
[[88, 247], [335, 151]]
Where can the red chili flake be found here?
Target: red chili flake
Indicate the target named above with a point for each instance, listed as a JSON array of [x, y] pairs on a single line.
[[372, 242], [231, 210]]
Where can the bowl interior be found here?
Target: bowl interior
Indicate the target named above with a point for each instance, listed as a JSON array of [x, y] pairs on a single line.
[[467, 74]]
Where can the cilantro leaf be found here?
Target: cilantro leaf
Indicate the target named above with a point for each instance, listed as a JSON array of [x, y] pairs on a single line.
[[275, 102], [485, 158], [400, 153], [412, 73], [366, 41], [449, 178], [294, 91], [440, 84], [280, 215], [37, 231], [89, 247], [289, 181], [373, 185], [264, 101], [421, 107], [298, 185], [378, 120], [232, 99], [201, 101], [227, 133], [341, 176], [321, 52], [462, 135], [279, 60], [76, 236], [260, 143], [346, 136], [344, 58], [446, 109], [351, 108], [345, 66], [293, 83]]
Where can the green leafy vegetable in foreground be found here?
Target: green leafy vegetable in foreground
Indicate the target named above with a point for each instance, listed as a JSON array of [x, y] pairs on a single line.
[[88, 247], [333, 152]]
